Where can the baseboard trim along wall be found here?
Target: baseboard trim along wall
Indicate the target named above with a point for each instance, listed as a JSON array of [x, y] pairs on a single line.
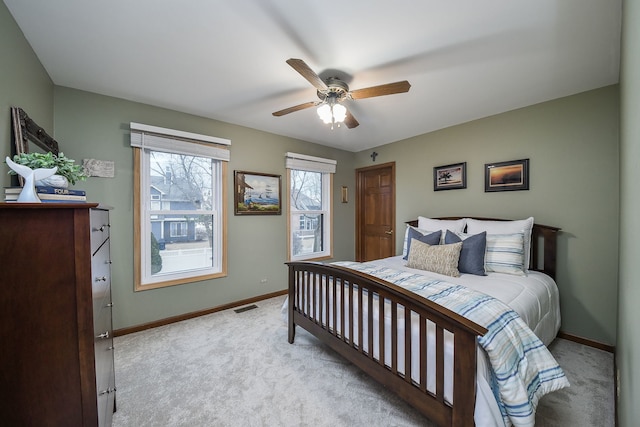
[[588, 342], [174, 319]]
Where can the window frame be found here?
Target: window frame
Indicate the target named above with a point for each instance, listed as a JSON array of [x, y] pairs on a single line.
[[327, 226], [143, 199]]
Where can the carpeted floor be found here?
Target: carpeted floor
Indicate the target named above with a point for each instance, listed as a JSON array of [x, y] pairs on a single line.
[[237, 369]]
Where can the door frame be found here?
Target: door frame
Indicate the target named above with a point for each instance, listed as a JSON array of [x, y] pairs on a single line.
[[360, 200]]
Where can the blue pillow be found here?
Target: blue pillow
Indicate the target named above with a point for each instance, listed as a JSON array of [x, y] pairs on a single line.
[[430, 239], [472, 253]]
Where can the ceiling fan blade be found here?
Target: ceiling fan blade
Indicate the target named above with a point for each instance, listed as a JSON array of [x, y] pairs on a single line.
[[301, 67], [388, 89], [296, 108], [350, 121]]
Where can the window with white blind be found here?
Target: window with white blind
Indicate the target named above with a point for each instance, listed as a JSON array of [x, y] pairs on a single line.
[[180, 206], [309, 183]]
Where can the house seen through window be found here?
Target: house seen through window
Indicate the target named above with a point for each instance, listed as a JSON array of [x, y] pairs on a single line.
[[309, 185], [180, 212]]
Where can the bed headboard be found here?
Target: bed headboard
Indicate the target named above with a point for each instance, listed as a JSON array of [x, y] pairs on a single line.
[[544, 241]]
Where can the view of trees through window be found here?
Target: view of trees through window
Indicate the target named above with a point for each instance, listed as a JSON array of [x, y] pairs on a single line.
[[181, 198], [307, 216]]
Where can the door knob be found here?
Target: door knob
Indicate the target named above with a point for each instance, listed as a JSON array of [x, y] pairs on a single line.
[[389, 232]]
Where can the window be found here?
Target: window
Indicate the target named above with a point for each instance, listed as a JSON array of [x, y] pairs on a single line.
[[180, 206], [179, 229], [310, 193]]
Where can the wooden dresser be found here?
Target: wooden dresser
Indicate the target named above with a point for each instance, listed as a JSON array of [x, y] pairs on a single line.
[[56, 345]]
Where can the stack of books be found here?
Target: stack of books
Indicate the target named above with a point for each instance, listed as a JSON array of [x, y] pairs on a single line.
[[48, 194]]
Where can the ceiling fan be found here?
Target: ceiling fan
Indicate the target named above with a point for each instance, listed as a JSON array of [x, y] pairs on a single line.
[[333, 91]]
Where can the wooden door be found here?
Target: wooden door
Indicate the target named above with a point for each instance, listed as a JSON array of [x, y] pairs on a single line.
[[375, 212]]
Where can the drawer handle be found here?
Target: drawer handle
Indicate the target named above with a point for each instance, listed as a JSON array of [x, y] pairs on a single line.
[[101, 279], [107, 391], [103, 335]]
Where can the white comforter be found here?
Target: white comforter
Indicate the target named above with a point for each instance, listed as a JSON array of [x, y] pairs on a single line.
[[534, 297]]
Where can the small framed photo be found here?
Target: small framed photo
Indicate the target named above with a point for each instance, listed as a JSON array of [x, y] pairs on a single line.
[[257, 193], [450, 177], [506, 176]]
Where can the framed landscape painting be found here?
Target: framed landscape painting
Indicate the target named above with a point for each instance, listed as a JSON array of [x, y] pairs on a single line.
[[506, 176], [450, 177], [257, 193]]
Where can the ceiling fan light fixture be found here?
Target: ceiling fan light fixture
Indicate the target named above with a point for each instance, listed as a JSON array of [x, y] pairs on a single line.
[[339, 113], [332, 113], [325, 114]]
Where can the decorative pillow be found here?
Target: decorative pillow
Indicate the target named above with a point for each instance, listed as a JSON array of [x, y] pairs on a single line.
[[457, 226], [430, 239], [472, 253], [442, 259], [475, 226], [405, 245], [505, 254]]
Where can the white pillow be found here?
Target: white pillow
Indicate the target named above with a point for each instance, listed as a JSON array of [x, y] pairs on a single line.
[[505, 254], [524, 226], [456, 226]]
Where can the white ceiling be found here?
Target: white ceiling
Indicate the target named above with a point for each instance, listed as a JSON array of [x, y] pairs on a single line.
[[225, 59]]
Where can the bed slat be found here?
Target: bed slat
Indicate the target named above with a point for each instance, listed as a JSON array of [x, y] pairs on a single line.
[[440, 364], [423, 354], [407, 345], [381, 330]]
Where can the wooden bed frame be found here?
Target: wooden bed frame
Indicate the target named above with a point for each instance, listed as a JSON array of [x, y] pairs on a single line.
[[307, 278]]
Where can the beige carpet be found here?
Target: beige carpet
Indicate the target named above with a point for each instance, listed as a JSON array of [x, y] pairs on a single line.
[[237, 369]]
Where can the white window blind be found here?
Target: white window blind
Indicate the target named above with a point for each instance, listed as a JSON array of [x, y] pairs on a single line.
[[175, 141], [309, 163]]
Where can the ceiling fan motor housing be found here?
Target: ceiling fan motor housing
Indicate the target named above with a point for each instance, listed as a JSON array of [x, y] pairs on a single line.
[[336, 90]]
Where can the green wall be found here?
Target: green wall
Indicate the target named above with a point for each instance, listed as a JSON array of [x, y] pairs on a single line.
[[628, 351], [94, 126], [23, 83], [572, 144]]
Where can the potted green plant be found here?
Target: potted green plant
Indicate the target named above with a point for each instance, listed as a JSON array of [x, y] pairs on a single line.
[[67, 168]]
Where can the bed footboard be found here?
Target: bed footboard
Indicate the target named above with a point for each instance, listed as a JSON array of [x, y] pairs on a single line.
[[356, 314]]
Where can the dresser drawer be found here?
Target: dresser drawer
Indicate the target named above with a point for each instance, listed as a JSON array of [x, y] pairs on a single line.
[[100, 276], [99, 228], [103, 348], [99, 306]]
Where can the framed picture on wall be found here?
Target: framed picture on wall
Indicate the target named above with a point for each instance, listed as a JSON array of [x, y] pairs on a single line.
[[450, 177], [257, 193], [506, 176]]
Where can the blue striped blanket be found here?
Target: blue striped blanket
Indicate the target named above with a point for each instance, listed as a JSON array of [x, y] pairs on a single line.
[[523, 369]]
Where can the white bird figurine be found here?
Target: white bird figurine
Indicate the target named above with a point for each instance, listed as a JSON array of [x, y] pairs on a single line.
[[28, 193]]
